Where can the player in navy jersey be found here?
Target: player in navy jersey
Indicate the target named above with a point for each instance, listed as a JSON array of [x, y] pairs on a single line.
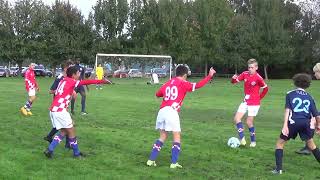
[[305, 150], [80, 90], [53, 88], [299, 109]]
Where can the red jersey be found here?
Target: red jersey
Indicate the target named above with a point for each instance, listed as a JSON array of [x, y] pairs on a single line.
[[252, 85], [30, 79], [64, 92], [174, 91]]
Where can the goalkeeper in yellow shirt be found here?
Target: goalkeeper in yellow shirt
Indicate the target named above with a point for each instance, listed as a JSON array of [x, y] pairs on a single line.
[[99, 74]]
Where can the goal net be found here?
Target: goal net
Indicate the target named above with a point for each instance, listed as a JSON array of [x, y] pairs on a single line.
[[144, 68]]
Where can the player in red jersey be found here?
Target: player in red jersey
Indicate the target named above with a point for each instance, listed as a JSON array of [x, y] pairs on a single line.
[[59, 115], [253, 82], [173, 93], [31, 87]]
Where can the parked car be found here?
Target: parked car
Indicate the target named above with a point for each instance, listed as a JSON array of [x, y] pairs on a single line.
[[14, 71], [120, 74], [58, 72], [40, 70], [88, 72], [49, 73], [160, 72], [4, 72], [23, 71], [134, 73]]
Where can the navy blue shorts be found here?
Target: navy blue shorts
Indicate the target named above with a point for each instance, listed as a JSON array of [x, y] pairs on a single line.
[[303, 129], [79, 89]]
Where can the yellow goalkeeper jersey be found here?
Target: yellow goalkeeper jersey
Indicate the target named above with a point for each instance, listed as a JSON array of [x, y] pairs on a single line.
[[99, 72]]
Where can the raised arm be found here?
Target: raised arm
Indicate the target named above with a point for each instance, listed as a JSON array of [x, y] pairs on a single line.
[[235, 78], [93, 81], [193, 86]]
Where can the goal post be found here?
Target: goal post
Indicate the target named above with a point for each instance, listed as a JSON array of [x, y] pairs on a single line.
[[134, 65]]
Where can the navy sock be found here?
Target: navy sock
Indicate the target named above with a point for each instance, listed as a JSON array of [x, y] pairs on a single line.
[[175, 151], [279, 155], [52, 133], [74, 146], [67, 145], [240, 130], [316, 154], [55, 142], [155, 150], [28, 105], [252, 134]]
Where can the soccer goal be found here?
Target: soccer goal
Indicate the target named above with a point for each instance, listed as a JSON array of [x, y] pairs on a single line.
[[147, 68]]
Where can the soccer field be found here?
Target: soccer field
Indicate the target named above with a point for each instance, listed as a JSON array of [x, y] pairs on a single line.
[[118, 133]]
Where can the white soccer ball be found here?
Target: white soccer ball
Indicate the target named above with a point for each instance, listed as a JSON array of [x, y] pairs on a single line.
[[233, 142]]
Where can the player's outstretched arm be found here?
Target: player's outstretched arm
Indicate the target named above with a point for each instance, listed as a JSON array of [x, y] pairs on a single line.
[[204, 81], [93, 81], [235, 78]]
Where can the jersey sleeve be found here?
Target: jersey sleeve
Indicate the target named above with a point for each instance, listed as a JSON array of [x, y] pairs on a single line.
[[313, 109], [190, 87], [261, 83], [287, 105], [241, 77]]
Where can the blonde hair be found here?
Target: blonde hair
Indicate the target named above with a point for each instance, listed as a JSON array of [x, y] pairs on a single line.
[[316, 68], [252, 61]]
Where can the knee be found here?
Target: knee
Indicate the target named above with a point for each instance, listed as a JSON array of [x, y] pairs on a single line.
[[250, 121]]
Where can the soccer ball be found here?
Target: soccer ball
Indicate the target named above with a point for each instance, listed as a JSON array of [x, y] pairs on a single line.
[[233, 142]]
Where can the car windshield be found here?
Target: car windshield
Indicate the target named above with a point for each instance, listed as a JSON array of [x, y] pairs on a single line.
[[13, 68], [38, 67], [135, 71], [2, 70]]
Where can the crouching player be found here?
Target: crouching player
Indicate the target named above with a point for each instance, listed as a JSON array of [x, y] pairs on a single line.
[[173, 93], [299, 109], [59, 115]]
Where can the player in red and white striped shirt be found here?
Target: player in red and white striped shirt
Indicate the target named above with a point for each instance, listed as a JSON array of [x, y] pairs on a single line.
[[59, 115], [173, 93], [253, 82], [31, 88]]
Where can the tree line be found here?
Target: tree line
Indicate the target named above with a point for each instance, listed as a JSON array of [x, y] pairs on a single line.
[[284, 36]]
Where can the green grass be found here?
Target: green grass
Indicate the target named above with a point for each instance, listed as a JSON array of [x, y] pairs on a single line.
[[119, 132]]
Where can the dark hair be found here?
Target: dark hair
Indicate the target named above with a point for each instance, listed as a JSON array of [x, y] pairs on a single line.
[[302, 80], [181, 70], [67, 63], [71, 71]]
